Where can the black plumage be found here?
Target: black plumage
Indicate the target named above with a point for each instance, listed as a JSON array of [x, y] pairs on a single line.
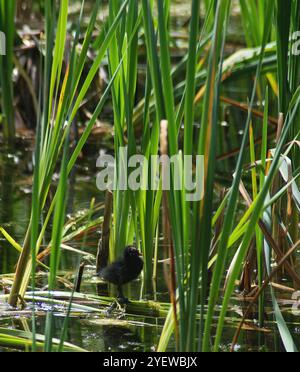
[[124, 270]]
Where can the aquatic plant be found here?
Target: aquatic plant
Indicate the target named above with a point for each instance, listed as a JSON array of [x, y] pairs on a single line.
[[240, 229], [7, 29]]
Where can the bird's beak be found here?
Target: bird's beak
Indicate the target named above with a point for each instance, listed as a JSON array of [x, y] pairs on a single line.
[[140, 254]]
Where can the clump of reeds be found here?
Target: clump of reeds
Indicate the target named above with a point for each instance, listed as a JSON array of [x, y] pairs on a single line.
[[209, 246]]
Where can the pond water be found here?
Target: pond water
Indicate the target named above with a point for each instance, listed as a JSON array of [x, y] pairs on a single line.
[[90, 332], [99, 332]]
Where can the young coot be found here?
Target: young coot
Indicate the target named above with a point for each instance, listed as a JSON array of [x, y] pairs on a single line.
[[123, 271]]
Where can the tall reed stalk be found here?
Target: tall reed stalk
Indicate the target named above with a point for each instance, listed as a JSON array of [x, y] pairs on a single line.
[[58, 115], [7, 30]]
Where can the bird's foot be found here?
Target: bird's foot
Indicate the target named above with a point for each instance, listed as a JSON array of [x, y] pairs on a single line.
[[111, 309], [118, 305]]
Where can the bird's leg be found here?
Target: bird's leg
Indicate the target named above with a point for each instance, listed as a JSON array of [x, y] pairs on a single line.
[[121, 298], [111, 309]]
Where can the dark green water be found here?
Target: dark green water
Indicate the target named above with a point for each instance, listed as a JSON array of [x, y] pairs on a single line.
[[96, 333], [91, 333]]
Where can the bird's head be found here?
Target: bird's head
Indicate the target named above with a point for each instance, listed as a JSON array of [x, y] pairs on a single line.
[[131, 252]]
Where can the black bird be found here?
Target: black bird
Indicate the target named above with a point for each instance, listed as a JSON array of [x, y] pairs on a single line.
[[123, 271]]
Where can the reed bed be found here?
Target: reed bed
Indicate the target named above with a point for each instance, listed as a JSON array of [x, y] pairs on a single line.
[[239, 236]]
